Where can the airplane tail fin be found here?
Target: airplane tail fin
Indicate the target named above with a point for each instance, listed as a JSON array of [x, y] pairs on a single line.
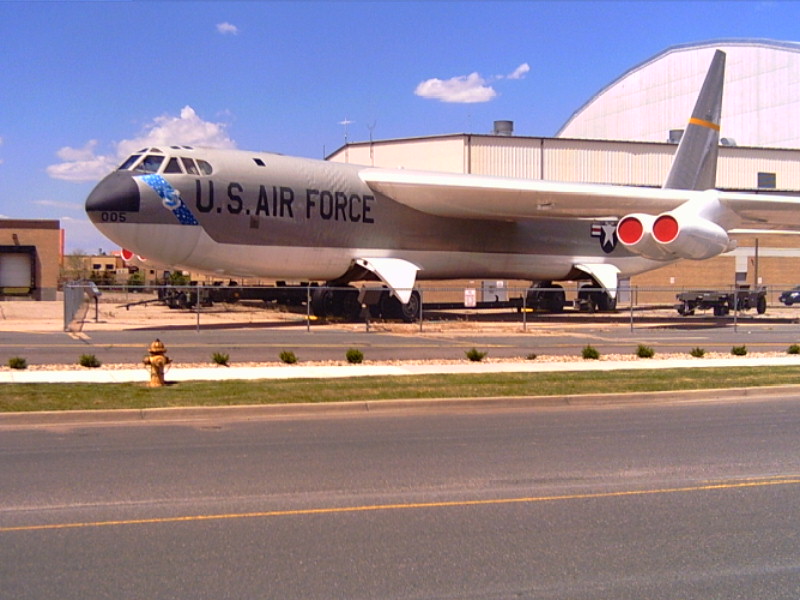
[[695, 164]]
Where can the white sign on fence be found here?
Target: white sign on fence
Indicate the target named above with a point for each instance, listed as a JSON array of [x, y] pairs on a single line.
[[470, 298]]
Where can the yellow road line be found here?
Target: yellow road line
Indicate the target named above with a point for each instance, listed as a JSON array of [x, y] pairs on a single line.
[[723, 485]]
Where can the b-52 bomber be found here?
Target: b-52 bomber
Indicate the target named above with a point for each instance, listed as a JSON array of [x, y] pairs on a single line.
[[255, 214]]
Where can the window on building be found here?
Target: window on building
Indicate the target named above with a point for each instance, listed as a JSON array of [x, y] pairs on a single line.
[[767, 181]]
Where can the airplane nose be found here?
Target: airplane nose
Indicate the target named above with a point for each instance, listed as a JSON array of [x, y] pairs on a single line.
[[118, 192]]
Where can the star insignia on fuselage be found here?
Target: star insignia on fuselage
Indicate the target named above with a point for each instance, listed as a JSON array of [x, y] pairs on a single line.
[[606, 232]]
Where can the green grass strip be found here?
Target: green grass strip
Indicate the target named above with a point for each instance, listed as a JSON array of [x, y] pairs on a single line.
[[20, 397]]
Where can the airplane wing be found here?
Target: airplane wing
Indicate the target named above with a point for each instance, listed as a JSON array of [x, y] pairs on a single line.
[[769, 212], [502, 199], [507, 199]]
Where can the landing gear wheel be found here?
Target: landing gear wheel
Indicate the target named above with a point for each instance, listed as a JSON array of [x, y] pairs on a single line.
[[604, 302], [761, 305], [595, 299], [411, 310], [350, 307], [322, 302], [555, 299], [390, 307], [343, 303]]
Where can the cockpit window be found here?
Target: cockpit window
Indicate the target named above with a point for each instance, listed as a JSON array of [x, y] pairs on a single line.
[[205, 168], [155, 163], [190, 167], [173, 166], [150, 164], [131, 160]]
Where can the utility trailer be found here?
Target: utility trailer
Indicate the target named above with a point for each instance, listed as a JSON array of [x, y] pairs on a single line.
[[722, 303]]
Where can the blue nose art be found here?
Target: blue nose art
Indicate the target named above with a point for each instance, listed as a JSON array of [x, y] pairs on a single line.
[[116, 193]]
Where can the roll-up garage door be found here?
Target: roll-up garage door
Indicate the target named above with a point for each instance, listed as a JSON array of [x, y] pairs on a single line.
[[16, 270]]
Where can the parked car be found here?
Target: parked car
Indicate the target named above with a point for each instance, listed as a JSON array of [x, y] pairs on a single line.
[[789, 297]]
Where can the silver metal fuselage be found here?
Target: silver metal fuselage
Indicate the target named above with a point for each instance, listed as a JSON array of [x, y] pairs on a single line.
[[272, 216]]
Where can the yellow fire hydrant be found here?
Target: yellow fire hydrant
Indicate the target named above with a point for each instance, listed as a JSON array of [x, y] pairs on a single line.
[[157, 360]]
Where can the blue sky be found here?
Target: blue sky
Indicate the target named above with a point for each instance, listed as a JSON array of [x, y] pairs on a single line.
[[84, 83]]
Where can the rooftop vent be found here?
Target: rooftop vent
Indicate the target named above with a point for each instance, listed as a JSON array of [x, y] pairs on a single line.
[[504, 128]]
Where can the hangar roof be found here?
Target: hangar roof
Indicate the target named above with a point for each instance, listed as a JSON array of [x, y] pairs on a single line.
[[760, 105]]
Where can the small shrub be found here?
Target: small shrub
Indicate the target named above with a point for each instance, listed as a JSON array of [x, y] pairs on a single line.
[[698, 352], [739, 350], [354, 356], [220, 358], [590, 353], [475, 355], [89, 360], [288, 357], [645, 351], [793, 349], [17, 362], [531, 356]]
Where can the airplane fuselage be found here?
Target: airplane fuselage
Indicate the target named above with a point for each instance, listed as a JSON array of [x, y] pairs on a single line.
[[239, 213]]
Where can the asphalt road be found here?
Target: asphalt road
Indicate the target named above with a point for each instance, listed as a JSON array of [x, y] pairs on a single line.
[[684, 500], [264, 342]]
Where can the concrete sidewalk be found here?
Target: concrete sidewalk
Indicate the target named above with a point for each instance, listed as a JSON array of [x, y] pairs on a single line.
[[214, 373]]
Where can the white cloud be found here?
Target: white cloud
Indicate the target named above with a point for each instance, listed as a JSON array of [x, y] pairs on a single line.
[[227, 29], [81, 164], [187, 129], [78, 154], [520, 71], [85, 164], [463, 89], [466, 88]]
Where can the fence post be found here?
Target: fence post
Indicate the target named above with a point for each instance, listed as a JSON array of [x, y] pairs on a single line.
[[308, 309], [630, 294], [421, 306], [197, 309], [525, 310]]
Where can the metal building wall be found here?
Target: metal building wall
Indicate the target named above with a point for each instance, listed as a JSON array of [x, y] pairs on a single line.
[[738, 168], [505, 156], [442, 153], [573, 160]]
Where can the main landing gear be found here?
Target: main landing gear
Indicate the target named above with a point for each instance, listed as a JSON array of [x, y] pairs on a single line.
[[594, 299], [348, 303]]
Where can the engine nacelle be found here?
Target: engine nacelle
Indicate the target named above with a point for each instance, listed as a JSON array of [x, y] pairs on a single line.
[[635, 232], [694, 237]]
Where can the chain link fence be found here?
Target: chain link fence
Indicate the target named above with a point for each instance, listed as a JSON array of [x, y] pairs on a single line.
[[85, 302]]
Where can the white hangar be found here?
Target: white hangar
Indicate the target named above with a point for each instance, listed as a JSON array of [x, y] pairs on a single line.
[[759, 106]]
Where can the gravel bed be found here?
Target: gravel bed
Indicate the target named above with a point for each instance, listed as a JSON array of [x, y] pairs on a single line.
[[541, 358]]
